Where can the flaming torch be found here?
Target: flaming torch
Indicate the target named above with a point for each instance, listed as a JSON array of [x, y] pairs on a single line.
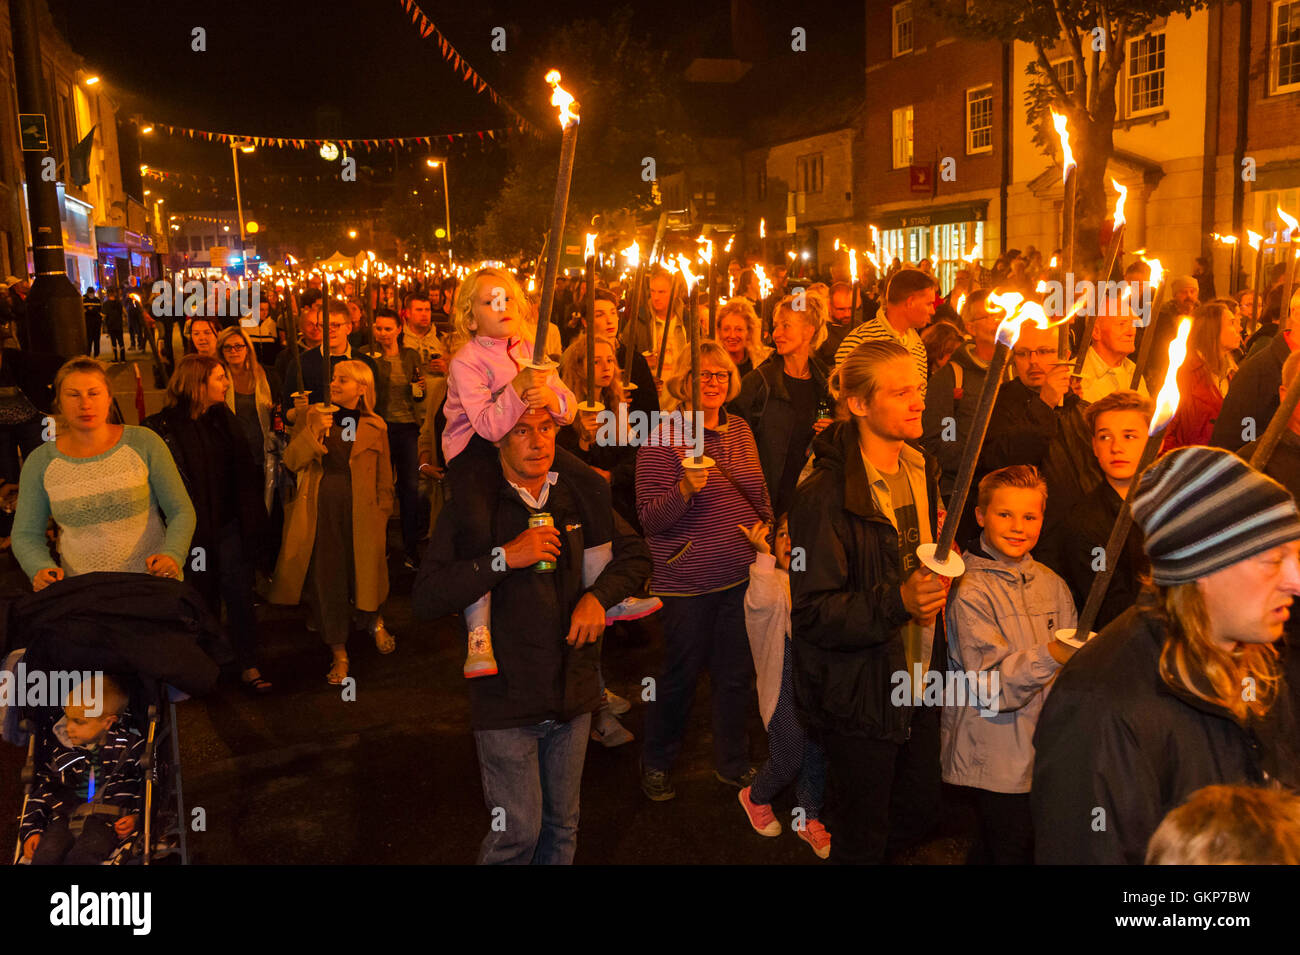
[[713, 285], [569, 119], [1289, 281], [633, 256], [938, 556], [857, 289], [1256, 242], [589, 256], [1233, 246], [693, 325], [1070, 184], [1166, 405], [1117, 231], [1149, 328]]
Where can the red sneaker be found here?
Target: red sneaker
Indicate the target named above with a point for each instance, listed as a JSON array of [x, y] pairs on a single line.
[[760, 815], [815, 834]]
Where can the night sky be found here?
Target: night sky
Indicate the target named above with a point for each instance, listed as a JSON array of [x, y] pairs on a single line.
[[270, 66]]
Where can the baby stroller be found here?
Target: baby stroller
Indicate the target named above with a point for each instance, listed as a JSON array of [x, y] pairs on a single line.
[[150, 633]]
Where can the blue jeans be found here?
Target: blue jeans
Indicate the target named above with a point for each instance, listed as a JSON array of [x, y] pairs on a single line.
[[403, 444], [531, 780], [702, 632]]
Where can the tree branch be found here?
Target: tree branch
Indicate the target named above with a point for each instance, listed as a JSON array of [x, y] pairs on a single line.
[[1053, 80], [1079, 98]]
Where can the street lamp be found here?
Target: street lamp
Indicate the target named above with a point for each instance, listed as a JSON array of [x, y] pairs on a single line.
[[245, 146], [446, 196]]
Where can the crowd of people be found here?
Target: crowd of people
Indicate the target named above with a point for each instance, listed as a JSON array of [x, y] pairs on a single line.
[[772, 541]]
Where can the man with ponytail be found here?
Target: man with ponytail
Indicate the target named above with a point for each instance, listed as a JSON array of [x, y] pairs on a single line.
[[1185, 688], [864, 610]]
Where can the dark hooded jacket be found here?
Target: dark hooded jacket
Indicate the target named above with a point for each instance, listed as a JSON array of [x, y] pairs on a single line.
[[944, 400], [1116, 748], [847, 606], [782, 439]]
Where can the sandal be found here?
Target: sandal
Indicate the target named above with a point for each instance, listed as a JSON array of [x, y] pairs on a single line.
[[256, 685], [384, 641], [338, 672]]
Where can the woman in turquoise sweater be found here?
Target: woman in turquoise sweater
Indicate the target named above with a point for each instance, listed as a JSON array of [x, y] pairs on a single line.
[[104, 484]]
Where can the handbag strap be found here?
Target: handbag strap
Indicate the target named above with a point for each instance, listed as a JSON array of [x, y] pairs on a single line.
[[748, 500]]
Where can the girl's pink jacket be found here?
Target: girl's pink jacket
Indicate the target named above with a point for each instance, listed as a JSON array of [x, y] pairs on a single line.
[[479, 398]]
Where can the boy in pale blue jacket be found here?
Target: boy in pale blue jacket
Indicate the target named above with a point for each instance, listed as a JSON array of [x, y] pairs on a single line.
[[1002, 617]]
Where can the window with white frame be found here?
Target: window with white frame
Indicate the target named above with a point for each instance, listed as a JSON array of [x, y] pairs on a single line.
[[1146, 74], [902, 28], [1065, 73], [1284, 76], [979, 120], [902, 137], [808, 173]]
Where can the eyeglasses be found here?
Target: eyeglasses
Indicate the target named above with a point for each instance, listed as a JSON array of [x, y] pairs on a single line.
[[234, 346], [719, 376], [1042, 354], [335, 326]]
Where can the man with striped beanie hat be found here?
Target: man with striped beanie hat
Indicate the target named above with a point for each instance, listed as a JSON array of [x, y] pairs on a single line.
[[1184, 689]]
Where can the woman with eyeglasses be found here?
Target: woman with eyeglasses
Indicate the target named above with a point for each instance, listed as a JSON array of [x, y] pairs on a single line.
[[695, 522], [251, 397]]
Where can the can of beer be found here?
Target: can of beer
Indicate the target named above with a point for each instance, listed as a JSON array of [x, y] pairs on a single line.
[[542, 519]]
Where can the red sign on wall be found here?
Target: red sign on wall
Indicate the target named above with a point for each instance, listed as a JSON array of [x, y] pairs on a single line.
[[922, 178]]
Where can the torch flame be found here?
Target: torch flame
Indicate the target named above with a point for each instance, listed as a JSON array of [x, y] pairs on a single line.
[[961, 300], [875, 238], [837, 245], [1290, 224], [532, 284], [1225, 239], [727, 247], [1167, 399], [853, 265], [1157, 270], [1119, 204], [1041, 287], [971, 257], [685, 265], [1253, 239], [764, 285], [1018, 311], [762, 228], [1052, 264], [563, 99], [633, 254], [875, 262], [1067, 155], [706, 255], [590, 251]]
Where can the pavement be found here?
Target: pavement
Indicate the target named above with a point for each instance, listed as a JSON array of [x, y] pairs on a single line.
[[303, 776]]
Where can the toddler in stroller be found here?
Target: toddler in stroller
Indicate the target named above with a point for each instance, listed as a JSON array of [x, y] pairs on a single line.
[[89, 789]]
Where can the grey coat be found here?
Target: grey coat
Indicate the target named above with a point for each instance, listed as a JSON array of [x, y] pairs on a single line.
[[1001, 618]]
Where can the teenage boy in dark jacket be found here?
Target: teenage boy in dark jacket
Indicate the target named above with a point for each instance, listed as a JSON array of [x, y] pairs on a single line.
[[532, 720], [864, 610], [1182, 690]]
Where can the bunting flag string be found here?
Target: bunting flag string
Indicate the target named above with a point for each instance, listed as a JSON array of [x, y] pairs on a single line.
[[353, 145], [460, 66]]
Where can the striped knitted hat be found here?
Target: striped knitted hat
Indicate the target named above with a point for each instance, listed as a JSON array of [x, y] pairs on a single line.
[[1203, 509]]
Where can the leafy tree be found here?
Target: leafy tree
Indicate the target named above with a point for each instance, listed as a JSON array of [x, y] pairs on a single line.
[[630, 110], [1094, 34]]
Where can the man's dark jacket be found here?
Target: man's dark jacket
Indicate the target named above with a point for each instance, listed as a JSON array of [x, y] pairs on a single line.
[[1070, 549], [942, 402], [540, 676], [1114, 737], [847, 606], [313, 363], [764, 402], [1252, 394]]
